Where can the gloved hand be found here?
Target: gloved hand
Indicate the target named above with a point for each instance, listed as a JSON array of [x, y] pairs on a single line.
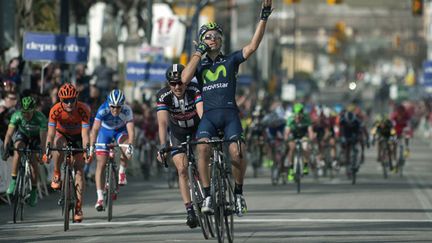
[[5, 153], [202, 47], [129, 150], [266, 10]]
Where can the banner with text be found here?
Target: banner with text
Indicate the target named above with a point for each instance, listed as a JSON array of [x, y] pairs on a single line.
[[145, 71], [55, 47]]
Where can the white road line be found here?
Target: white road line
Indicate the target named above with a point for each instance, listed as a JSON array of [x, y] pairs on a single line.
[[240, 221], [421, 195]]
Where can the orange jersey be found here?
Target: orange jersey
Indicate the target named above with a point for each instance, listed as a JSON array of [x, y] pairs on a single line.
[[69, 123]]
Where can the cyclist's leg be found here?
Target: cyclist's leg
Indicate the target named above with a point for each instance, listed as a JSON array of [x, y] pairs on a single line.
[[205, 131], [15, 160], [57, 157], [122, 137], [79, 185], [104, 137]]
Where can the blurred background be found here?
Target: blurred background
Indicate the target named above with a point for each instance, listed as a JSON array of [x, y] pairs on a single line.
[[370, 52]]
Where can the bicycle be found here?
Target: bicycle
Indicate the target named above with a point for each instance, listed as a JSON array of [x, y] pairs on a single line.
[[196, 191], [386, 155], [68, 195], [111, 180], [24, 183], [298, 163], [278, 169], [353, 161], [401, 157], [221, 190]]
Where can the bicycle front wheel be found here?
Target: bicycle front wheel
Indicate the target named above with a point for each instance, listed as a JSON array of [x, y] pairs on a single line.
[[110, 190], [218, 198], [67, 192], [229, 209], [18, 198], [298, 172], [197, 199]]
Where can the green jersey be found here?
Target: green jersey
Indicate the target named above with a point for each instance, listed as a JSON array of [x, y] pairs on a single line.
[[299, 129], [30, 128]]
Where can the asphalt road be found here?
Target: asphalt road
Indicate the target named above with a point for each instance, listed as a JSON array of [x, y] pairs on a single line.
[[374, 210]]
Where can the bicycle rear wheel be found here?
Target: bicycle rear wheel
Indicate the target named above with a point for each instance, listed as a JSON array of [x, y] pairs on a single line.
[[18, 199]]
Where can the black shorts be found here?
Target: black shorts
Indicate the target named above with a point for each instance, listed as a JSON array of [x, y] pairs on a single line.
[[74, 140], [32, 142], [176, 138]]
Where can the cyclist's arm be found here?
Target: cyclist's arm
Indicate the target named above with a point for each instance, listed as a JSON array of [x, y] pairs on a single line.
[[200, 109], [8, 137], [311, 133], [249, 49], [43, 137], [85, 136], [94, 132], [163, 119], [130, 126], [50, 135], [190, 69]]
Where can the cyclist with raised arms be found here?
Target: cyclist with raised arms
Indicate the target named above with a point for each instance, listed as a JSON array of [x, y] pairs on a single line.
[[179, 108], [114, 121], [216, 74], [299, 126], [69, 123], [26, 127]]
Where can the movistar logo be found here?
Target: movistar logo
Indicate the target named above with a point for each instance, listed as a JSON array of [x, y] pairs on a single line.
[[208, 75]]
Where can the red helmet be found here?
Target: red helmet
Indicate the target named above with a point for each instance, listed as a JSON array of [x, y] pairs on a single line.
[[66, 91]]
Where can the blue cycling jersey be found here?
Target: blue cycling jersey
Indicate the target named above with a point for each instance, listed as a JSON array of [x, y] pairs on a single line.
[[111, 122], [217, 80]]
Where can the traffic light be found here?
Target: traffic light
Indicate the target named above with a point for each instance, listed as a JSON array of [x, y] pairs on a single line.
[[333, 2], [417, 7], [291, 1]]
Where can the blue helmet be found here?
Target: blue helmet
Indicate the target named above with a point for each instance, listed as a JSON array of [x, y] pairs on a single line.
[[116, 98]]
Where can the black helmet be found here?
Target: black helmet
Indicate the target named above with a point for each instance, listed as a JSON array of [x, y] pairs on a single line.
[[173, 73]]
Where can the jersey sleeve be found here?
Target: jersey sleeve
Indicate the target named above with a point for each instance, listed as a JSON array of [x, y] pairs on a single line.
[[100, 113], [14, 121], [43, 121], [85, 116], [161, 100], [129, 114], [197, 93], [52, 121], [238, 57]]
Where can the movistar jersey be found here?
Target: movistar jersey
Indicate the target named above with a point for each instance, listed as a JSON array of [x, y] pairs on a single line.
[[217, 80], [111, 122], [299, 129], [30, 128]]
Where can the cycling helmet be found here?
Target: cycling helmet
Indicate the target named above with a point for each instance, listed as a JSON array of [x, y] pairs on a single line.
[[209, 26], [28, 103], [173, 73], [67, 91], [116, 98], [298, 108]]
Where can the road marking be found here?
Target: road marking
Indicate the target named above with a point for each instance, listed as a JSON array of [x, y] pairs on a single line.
[[421, 195], [240, 221]]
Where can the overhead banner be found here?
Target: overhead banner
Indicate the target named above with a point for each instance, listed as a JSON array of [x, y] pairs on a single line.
[[145, 71], [55, 48], [427, 73]]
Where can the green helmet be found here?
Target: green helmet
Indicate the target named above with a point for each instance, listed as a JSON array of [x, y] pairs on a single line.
[[28, 103], [209, 26], [298, 108]]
